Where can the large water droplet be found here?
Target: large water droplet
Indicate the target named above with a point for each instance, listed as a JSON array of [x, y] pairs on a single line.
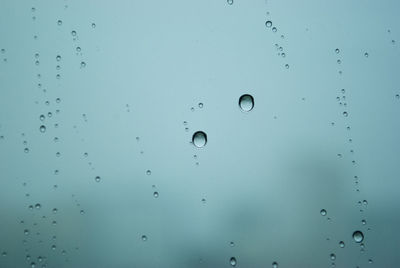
[[233, 261], [358, 236], [246, 102], [199, 139]]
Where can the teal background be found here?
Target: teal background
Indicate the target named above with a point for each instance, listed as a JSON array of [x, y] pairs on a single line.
[[265, 175]]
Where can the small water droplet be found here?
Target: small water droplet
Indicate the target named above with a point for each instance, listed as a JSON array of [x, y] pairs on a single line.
[[233, 261], [38, 206], [200, 105], [4, 254], [366, 54], [268, 23], [144, 238], [341, 244], [333, 257], [287, 66], [274, 264], [58, 58], [345, 114], [26, 232], [358, 236], [232, 244], [82, 212], [230, 2], [97, 179], [323, 212], [337, 51], [155, 194], [42, 129], [148, 172], [59, 22], [93, 25], [246, 102], [83, 64], [26, 150], [199, 139], [73, 33], [274, 29], [364, 222]]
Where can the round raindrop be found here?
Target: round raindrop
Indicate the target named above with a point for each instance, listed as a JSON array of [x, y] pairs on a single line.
[[323, 212], [358, 236], [246, 103], [233, 261], [155, 194], [42, 129], [199, 139], [268, 23]]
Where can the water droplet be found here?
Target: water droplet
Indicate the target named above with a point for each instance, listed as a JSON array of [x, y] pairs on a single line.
[[341, 244], [366, 54], [339, 61], [230, 2], [26, 150], [73, 33], [83, 64], [33, 265], [365, 202], [55, 210], [345, 114], [233, 261], [246, 102], [333, 257], [364, 222], [38, 206], [337, 51], [97, 179], [199, 139], [42, 129], [155, 194], [268, 23], [26, 232], [59, 22], [274, 29], [93, 25], [144, 238], [358, 236], [287, 66], [323, 212], [148, 172], [200, 105], [274, 264], [370, 261], [58, 58], [82, 212], [397, 96], [232, 244], [4, 254]]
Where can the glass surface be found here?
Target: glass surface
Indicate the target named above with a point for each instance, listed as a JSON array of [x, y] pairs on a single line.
[[124, 140]]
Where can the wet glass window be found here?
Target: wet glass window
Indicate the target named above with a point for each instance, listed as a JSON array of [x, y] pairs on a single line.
[[213, 133]]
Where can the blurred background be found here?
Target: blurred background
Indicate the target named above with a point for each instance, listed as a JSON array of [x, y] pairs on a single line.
[[100, 102]]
